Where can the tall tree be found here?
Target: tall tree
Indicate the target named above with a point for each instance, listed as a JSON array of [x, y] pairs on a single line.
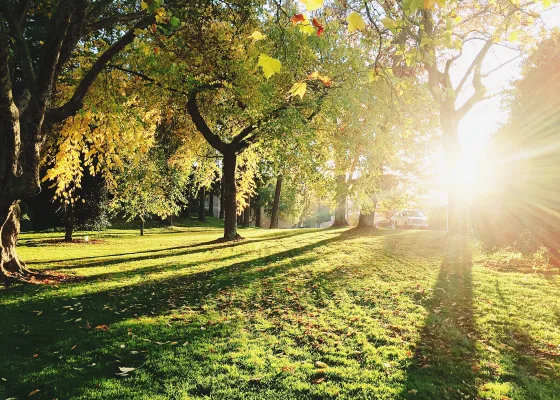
[[36, 44]]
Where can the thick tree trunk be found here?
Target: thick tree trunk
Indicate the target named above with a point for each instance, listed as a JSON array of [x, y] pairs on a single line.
[[11, 268], [141, 226], [247, 213], [222, 198], [341, 195], [210, 211], [229, 197], [366, 220], [201, 204], [69, 222], [340, 213], [456, 213], [276, 204]]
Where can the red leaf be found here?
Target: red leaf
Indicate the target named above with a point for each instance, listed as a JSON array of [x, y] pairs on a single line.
[[318, 25], [297, 18]]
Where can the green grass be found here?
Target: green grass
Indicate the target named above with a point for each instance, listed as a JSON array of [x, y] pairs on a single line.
[[395, 314]]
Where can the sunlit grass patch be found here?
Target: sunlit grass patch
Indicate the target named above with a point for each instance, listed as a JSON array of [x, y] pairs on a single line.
[[286, 314]]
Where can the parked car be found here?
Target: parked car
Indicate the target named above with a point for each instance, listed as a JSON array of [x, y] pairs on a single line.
[[409, 219]]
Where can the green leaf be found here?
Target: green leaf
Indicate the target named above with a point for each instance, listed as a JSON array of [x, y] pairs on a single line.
[[174, 21], [269, 65]]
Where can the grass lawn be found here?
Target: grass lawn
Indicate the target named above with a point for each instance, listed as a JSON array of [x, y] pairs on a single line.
[[284, 314]]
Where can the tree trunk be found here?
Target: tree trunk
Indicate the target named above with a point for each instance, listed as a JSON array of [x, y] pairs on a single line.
[[341, 195], [229, 197], [367, 220], [69, 222], [276, 204], [258, 223], [201, 204], [141, 226], [222, 198], [456, 213], [210, 211], [247, 213], [11, 268]]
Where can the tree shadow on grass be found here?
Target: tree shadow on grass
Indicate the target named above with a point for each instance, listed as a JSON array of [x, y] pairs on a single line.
[[74, 359], [445, 361], [153, 253]]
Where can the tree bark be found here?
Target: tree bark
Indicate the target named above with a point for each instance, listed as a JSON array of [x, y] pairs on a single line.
[[210, 211], [222, 198], [69, 222], [141, 226], [11, 267], [229, 198], [456, 213], [247, 213], [201, 204], [276, 204], [340, 210], [258, 222]]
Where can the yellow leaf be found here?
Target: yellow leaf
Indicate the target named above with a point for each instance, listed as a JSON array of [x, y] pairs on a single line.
[[144, 5], [298, 89], [372, 75], [34, 392], [269, 65], [429, 4], [513, 36], [356, 22], [307, 28], [256, 36], [546, 3], [388, 23], [312, 5], [314, 75]]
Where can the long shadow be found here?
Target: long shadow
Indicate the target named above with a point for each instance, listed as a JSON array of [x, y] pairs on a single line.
[[66, 348], [195, 245], [445, 360]]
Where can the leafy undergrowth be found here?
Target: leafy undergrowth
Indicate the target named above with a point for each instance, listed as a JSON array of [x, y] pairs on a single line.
[[511, 260], [284, 314]]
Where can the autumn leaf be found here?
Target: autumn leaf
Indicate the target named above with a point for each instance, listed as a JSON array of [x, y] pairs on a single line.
[[313, 75], [312, 5], [317, 381], [269, 65], [372, 75], [126, 370], [257, 36], [33, 392], [325, 80], [389, 23], [297, 18], [412, 391], [318, 25], [356, 22], [298, 89], [320, 364]]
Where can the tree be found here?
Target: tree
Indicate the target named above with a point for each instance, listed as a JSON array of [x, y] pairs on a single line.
[[434, 35], [36, 45], [525, 160], [142, 190]]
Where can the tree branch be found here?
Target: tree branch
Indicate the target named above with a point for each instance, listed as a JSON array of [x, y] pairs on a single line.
[[476, 63], [110, 21], [213, 139], [76, 102]]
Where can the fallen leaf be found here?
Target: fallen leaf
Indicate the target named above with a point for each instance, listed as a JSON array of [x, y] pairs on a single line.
[[73, 347], [33, 392], [126, 370], [320, 364], [412, 391], [317, 381]]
